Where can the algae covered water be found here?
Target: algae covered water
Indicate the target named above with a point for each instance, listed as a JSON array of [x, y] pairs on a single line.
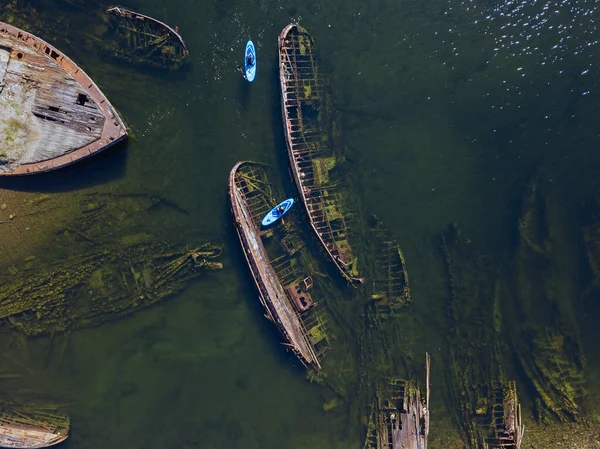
[[477, 113]]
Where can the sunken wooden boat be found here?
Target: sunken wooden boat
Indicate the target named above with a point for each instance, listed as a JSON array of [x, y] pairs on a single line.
[[315, 166], [400, 417], [143, 39], [52, 113], [283, 302], [29, 429], [390, 290]]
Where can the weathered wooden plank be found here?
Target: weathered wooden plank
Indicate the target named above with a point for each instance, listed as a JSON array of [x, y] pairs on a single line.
[[53, 114]]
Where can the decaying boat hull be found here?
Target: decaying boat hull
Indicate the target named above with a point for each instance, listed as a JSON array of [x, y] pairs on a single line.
[[313, 161], [273, 297], [26, 429], [488, 411], [400, 418], [91, 289], [143, 39], [548, 346], [53, 114], [391, 290]]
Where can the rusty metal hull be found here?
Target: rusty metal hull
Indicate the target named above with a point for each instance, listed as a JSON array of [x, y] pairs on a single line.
[[279, 309], [53, 113], [305, 110]]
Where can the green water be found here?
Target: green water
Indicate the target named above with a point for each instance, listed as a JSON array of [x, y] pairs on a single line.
[[448, 108]]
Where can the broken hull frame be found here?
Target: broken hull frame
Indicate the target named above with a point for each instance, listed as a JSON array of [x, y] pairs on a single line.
[[178, 59], [354, 280], [271, 292], [114, 130]]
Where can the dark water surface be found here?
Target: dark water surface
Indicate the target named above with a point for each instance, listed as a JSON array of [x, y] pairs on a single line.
[[448, 108]]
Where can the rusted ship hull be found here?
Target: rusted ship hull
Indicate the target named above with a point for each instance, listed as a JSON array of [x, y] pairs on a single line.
[[278, 306], [20, 429], [311, 156], [53, 113]]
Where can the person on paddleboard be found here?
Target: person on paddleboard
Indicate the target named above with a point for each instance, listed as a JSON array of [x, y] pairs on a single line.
[[249, 62]]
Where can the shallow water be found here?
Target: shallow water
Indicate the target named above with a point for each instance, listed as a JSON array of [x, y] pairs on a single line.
[[447, 110]]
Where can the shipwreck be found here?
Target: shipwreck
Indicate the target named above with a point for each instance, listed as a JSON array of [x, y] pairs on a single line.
[[390, 289], [488, 413], [31, 428], [283, 289], [400, 417], [52, 113], [142, 39], [98, 286], [316, 167]]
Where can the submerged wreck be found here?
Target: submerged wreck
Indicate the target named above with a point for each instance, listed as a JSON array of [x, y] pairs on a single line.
[[488, 412], [316, 167], [142, 39], [283, 289], [400, 417], [30, 428], [390, 287], [52, 113], [549, 346], [99, 286]]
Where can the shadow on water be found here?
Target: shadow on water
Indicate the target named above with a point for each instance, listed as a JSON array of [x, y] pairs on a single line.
[[243, 90], [95, 170]]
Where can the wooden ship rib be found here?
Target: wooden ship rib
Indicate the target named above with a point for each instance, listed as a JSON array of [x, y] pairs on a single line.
[[52, 113], [313, 161], [391, 290], [26, 429], [145, 39], [400, 417], [283, 306], [502, 418]]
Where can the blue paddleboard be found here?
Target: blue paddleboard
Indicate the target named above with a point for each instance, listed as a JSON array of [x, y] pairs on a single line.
[[250, 69], [275, 213]]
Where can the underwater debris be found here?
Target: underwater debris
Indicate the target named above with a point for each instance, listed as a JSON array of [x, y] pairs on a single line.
[[142, 39], [100, 286], [316, 166], [29, 428], [548, 346], [399, 417], [488, 409], [591, 237], [105, 217], [532, 225], [283, 285], [390, 284], [53, 114]]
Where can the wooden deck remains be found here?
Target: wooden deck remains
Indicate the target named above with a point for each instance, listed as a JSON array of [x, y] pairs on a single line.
[[501, 419], [314, 164], [24, 429], [146, 40], [52, 113], [400, 418], [249, 206]]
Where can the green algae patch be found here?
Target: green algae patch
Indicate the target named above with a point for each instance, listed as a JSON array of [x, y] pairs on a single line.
[[321, 167], [103, 285], [134, 239]]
